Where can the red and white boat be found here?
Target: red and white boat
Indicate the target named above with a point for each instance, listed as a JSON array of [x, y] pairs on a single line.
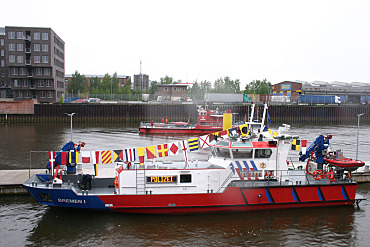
[[246, 172], [208, 121]]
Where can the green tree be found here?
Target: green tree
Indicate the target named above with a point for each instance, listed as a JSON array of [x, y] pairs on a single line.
[[226, 85], [94, 85], [258, 87], [115, 83], [105, 85], [78, 84], [167, 80], [196, 92], [153, 87]]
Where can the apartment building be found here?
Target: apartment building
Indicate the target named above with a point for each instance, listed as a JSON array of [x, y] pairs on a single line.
[[31, 64]]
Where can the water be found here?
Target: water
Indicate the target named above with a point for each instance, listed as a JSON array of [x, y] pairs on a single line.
[[23, 222]]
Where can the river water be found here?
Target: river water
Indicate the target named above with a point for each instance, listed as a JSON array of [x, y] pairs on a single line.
[[23, 222]]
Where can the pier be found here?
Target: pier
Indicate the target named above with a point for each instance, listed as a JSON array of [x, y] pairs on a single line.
[[144, 111]]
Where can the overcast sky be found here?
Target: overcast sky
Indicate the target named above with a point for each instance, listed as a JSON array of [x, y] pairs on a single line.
[[205, 40]]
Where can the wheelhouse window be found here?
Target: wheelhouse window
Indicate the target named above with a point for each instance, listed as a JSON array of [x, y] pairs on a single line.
[[220, 152], [240, 153], [263, 153]]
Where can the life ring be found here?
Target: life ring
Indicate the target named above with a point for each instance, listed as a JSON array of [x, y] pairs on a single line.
[[263, 165], [147, 130], [116, 182], [317, 174]]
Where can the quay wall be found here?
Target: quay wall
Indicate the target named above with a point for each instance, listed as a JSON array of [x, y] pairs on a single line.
[[134, 113]]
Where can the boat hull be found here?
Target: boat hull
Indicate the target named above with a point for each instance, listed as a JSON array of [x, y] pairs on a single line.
[[158, 130], [233, 199]]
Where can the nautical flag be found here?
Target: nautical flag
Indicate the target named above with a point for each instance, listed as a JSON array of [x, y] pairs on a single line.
[[73, 157], [233, 131], [173, 148], [85, 156], [117, 155], [295, 144], [184, 148], [141, 154], [95, 157], [106, 157], [244, 129], [204, 141], [151, 152], [52, 162], [223, 133], [130, 154], [304, 146], [96, 168], [63, 158], [162, 150], [272, 133], [193, 144]]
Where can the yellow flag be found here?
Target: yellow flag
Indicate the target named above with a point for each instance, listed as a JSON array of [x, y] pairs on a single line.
[[244, 130], [141, 154], [227, 121]]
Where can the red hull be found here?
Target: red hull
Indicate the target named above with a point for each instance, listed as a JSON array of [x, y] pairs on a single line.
[[235, 199], [158, 130]]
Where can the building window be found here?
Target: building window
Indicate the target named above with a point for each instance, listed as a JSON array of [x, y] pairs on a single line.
[[2, 63], [174, 89], [3, 73], [2, 42], [36, 36], [11, 35], [48, 83], [14, 71], [11, 58], [19, 35], [16, 83], [26, 94], [42, 94], [183, 89], [47, 71], [165, 89], [41, 83], [45, 36], [22, 71], [2, 53], [11, 47], [19, 47], [20, 59], [45, 47], [25, 83], [45, 59], [36, 59], [50, 94], [36, 47], [38, 71], [20, 94]]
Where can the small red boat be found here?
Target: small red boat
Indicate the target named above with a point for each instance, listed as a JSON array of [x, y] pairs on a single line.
[[209, 121], [345, 163]]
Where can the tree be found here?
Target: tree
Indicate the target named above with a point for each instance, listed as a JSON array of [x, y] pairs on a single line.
[[105, 86], [153, 87], [226, 85], [258, 87], [78, 84], [115, 83], [167, 80], [94, 85]]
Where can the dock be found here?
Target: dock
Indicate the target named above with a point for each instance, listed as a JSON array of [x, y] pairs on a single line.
[[11, 181]]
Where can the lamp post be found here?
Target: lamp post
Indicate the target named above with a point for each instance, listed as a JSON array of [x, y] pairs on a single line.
[[71, 115], [358, 130]]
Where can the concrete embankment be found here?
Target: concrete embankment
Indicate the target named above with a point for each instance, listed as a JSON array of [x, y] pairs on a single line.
[[11, 180]]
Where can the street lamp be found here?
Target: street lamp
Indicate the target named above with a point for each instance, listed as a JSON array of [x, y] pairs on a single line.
[[71, 115], [358, 130]]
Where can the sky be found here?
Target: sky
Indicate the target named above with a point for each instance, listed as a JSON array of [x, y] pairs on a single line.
[[197, 40]]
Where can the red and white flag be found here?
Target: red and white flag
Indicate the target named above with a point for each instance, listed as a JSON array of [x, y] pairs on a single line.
[[52, 162], [304, 146], [95, 157], [86, 156], [173, 148], [204, 141], [184, 148]]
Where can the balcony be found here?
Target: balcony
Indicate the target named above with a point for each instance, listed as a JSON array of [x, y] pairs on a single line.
[[28, 62], [32, 86], [30, 75], [28, 50]]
